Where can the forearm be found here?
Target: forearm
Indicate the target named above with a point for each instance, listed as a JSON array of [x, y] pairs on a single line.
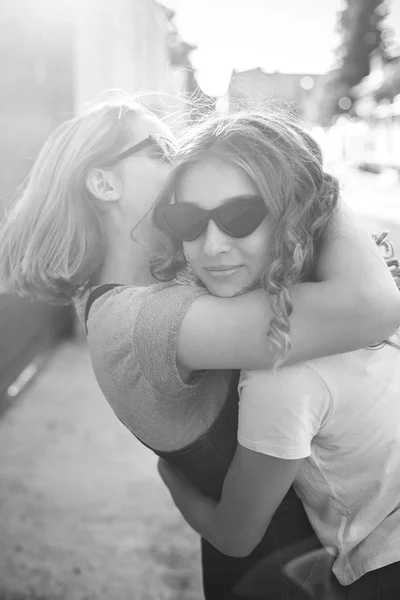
[[201, 516], [254, 487], [355, 304], [231, 333], [352, 262], [214, 522], [323, 324]]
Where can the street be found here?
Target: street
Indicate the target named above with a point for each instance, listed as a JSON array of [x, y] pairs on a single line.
[[84, 515]]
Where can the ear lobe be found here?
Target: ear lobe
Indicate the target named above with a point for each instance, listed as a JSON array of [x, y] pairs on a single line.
[[104, 185]]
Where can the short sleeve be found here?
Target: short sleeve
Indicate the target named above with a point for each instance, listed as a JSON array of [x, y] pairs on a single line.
[[155, 337], [281, 412]]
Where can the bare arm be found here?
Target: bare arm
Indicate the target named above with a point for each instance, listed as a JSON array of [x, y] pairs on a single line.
[[254, 487], [280, 414], [355, 304]]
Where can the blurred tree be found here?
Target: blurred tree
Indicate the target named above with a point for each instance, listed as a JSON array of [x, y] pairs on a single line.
[[361, 24]]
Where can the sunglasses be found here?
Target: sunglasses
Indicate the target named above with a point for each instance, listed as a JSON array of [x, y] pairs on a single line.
[[161, 148], [238, 218]]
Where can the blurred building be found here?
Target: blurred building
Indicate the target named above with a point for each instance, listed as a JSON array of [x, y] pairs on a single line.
[[36, 94], [132, 46], [291, 90], [55, 57]]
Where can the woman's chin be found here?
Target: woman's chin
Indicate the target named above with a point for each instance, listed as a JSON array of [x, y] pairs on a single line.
[[225, 290]]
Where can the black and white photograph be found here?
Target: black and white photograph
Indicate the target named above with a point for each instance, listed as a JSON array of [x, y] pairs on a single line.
[[199, 299]]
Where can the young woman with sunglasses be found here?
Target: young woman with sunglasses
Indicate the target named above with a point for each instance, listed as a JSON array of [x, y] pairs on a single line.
[[249, 203], [83, 223]]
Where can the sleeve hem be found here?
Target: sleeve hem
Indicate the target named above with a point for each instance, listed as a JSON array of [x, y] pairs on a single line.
[[276, 452], [171, 385]]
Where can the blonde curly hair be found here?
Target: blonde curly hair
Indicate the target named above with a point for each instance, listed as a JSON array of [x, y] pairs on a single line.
[[285, 164]]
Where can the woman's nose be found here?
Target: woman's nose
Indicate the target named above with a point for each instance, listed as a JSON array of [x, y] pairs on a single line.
[[215, 240]]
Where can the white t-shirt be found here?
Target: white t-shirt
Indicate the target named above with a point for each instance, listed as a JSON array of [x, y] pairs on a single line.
[[342, 415]]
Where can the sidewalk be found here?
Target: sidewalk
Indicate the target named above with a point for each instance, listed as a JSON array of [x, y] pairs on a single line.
[[84, 515]]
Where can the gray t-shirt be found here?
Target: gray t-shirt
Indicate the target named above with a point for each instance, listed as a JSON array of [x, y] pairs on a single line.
[[132, 337]]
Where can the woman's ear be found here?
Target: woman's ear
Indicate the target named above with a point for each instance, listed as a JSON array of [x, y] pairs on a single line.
[[104, 185]]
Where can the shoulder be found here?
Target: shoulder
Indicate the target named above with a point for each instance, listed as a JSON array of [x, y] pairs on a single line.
[[358, 374], [294, 381], [124, 304], [132, 333], [136, 330], [281, 411]]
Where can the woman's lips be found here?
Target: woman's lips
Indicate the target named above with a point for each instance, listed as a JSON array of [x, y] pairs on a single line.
[[223, 272]]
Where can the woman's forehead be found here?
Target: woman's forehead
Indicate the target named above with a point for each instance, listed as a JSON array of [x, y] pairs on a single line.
[[211, 182]]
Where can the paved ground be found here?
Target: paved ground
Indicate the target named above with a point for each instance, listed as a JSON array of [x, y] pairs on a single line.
[[83, 514]]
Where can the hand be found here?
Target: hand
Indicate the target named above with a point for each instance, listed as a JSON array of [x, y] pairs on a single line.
[[196, 509]]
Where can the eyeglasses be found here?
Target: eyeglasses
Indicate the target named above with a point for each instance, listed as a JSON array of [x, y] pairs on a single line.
[[161, 148], [238, 218]]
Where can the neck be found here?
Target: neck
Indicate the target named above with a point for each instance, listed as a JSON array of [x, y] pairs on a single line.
[[127, 263]]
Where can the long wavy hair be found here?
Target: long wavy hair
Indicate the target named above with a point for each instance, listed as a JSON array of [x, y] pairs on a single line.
[[285, 164], [52, 240]]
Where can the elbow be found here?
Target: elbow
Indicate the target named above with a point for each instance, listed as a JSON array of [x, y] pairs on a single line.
[[235, 547], [382, 310], [394, 312]]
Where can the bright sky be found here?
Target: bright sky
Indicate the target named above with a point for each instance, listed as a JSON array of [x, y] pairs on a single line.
[[291, 36]]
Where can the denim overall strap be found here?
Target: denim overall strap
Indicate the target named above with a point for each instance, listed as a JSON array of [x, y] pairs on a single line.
[[95, 294]]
